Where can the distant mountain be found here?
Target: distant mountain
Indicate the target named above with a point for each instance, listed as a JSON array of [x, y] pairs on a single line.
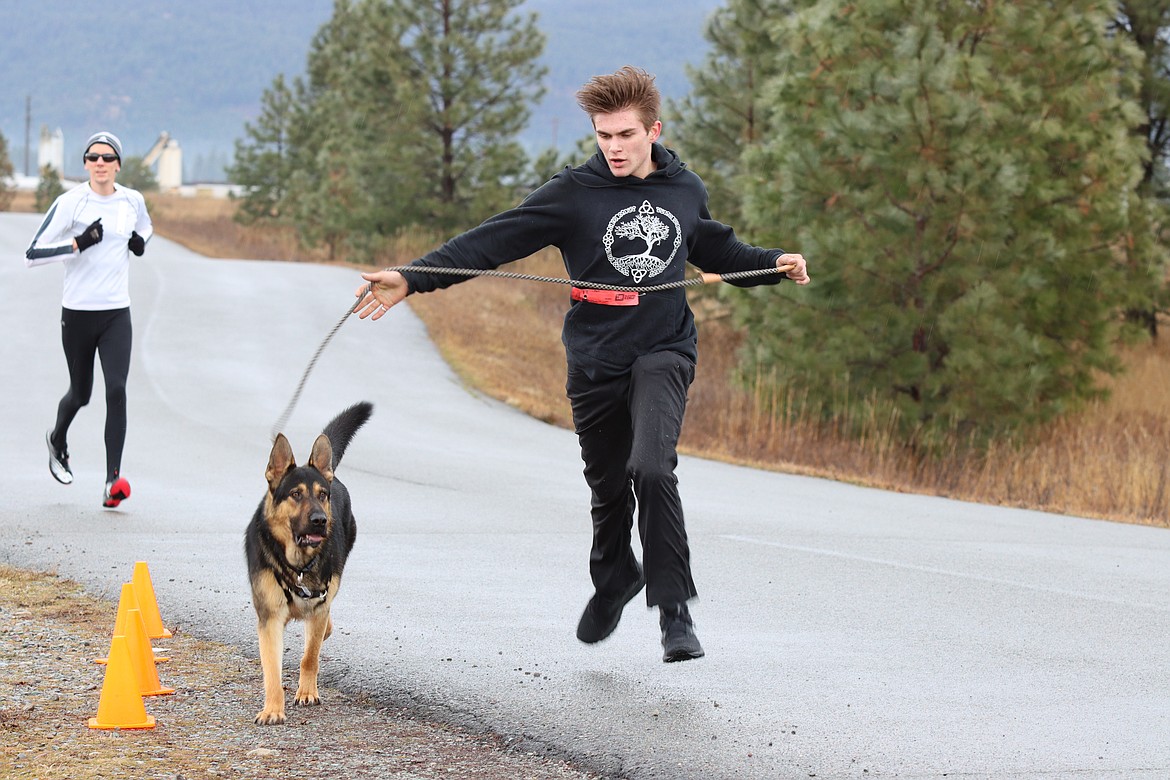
[[197, 69]]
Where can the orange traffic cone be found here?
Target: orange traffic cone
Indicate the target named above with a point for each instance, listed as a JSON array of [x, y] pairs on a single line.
[[120, 706], [127, 602], [142, 656], [144, 590]]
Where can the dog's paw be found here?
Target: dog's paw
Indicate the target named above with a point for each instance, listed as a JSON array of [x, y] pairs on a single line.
[[268, 717], [307, 698]]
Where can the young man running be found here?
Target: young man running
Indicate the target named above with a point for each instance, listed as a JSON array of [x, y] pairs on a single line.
[[633, 215]]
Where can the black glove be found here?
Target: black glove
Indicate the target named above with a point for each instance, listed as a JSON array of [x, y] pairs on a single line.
[[90, 236], [137, 243]]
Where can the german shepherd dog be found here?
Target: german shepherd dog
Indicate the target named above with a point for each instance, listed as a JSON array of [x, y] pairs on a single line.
[[296, 546]]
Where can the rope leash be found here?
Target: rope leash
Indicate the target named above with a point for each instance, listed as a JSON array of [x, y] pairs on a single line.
[[692, 282], [283, 420], [705, 278]]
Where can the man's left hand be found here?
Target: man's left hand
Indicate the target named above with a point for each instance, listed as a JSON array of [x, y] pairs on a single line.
[[799, 270]]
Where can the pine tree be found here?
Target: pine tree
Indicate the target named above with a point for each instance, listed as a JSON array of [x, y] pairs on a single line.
[[7, 190], [338, 171], [961, 176], [49, 188], [263, 159], [467, 74], [135, 174], [725, 112], [1147, 24], [407, 115]]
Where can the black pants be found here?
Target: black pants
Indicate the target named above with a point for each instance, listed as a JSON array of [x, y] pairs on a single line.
[[628, 425], [107, 334]]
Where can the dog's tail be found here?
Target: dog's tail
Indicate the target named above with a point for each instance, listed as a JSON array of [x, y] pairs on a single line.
[[341, 428]]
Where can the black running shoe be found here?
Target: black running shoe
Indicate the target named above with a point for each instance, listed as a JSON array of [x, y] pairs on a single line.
[[58, 461], [679, 642], [602, 613]]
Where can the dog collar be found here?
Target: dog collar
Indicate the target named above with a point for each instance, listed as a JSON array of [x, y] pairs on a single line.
[[305, 593], [297, 588]]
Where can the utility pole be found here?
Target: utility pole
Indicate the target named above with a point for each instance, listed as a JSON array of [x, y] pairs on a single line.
[[27, 130]]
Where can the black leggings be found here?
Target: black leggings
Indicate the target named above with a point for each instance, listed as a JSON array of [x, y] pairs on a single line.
[[628, 426], [107, 334]]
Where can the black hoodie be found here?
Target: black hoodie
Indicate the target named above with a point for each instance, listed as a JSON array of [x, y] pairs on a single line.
[[620, 231]]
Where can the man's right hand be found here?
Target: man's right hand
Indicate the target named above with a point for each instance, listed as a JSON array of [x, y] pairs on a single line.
[[90, 236], [382, 290]]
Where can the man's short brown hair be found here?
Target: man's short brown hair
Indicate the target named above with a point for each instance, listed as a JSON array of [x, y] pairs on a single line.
[[629, 89]]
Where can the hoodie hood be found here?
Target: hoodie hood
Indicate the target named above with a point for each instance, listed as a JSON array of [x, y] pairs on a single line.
[[595, 172]]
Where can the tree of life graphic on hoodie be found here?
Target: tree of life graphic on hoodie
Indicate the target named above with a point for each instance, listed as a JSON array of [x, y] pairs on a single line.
[[647, 229]]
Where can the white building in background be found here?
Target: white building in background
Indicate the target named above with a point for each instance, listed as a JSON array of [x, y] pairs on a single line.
[[169, 156], [51, 150]]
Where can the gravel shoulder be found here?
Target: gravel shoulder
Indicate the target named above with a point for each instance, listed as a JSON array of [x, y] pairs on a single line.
[[50, 633]]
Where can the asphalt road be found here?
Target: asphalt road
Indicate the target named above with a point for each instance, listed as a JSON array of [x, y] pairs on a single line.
[[849, 632]]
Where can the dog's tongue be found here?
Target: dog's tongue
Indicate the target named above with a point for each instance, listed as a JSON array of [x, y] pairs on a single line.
[[312, 539]]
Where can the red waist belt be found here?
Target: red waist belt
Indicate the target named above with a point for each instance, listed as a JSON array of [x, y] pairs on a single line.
[[606, 297]]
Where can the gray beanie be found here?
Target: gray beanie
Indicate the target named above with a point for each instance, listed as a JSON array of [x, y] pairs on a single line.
[[105, 138]]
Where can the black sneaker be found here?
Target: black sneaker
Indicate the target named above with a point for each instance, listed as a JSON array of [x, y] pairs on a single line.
[[602, 613], [679, 642], [58, 462]]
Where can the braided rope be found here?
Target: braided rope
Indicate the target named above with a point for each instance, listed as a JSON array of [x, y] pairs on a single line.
[[283, 419], [692, 282]]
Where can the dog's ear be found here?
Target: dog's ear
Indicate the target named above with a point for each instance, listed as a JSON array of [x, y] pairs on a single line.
[[280, 462], [322, 457]]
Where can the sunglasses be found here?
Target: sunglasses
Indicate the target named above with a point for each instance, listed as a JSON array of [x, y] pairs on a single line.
[[94, 157]]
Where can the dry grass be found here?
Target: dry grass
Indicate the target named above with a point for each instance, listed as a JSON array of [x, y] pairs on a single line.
[[23, 201], [204, 224], [504, 338]]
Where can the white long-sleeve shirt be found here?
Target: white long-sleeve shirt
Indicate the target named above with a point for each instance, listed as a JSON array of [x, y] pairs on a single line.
[[97, 279]]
